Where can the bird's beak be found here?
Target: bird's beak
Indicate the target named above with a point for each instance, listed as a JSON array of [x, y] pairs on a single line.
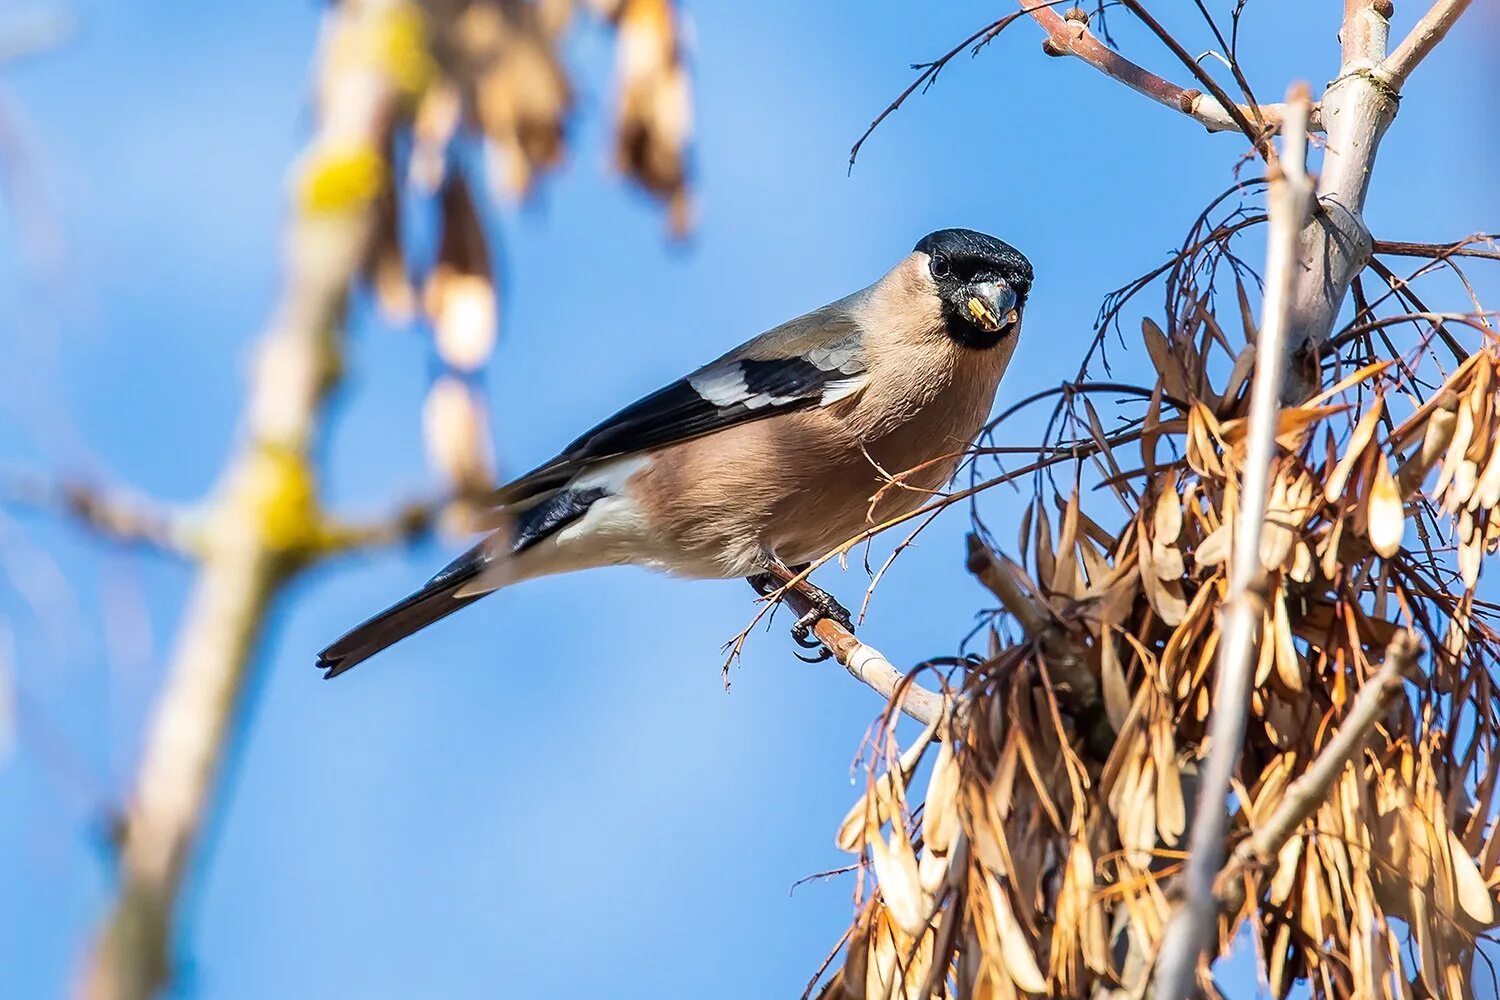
[[991, 305]]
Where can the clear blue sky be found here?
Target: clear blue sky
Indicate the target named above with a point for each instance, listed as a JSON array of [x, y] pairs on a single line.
[[551, 793]]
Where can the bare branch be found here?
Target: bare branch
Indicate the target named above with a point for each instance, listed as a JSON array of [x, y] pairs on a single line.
[[928, 74], [1192, 926], [1358, 107], [988, 571], [1071, 36], [112, 514], [1440, 251], [1423, 38]]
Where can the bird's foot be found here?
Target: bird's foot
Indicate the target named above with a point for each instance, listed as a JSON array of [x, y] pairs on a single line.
[[802, 635], [764, 584], [823, 605]]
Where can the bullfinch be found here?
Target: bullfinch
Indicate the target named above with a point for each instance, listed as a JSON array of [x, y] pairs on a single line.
[[767, 458]]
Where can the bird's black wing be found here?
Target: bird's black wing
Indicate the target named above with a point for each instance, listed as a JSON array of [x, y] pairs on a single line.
[[749, 383]]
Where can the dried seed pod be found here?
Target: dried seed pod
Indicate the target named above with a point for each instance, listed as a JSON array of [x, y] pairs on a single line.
[[1463, 432], [1384, 517], [1018, 958], [1441, 425], [1487, 490], [516, 85], [456, 431], [655, 107], [1364, 433], [895, 866], [1276, 534], [439, 114], [940, 823]]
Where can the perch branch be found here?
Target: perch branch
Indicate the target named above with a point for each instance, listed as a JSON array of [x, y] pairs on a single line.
[[867, 664], [1192, 926], [264, 516], [1071, 36], [1303, 797]]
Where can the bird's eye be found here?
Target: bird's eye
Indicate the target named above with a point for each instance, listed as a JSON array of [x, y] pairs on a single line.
[[941, 268]]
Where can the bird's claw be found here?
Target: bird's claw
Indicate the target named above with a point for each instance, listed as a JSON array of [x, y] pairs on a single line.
[[822, 605], [802, 635]]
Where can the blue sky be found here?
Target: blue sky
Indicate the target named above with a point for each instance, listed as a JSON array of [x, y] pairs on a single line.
[[552, 791]]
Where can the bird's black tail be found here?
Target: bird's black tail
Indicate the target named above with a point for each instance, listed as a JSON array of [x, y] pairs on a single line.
[[438, 599]]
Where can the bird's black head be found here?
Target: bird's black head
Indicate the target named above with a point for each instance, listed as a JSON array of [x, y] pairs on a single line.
[[982, 283]]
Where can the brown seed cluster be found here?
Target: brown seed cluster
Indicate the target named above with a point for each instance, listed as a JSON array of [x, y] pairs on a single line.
[[487, 109], [1039, 861]]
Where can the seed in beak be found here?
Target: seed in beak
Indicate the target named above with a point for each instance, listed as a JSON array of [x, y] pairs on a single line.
[[983, 314]]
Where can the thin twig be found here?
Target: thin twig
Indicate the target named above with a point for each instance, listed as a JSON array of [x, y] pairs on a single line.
[[1191, 928], [1440, 251], [1071, 36], [928, 73], [1259, 137]]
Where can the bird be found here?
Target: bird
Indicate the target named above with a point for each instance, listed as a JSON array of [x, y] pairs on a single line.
[[764, 460]]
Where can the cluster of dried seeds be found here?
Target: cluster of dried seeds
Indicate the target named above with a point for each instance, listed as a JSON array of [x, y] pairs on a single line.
[[488, 75], [1041, 861]]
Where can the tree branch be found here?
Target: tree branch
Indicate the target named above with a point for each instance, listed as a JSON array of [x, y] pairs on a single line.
[[1191, 928], [264, 518], [1439, 251], [1007, 590], [869, 666], [1423, 39], [406, 523], [1070, 36], [1068, 671], [1358, 107]]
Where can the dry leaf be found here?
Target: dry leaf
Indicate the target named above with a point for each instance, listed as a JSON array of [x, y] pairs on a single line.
[[1384, 517]]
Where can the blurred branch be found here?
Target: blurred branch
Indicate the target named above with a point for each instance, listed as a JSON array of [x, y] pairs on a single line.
[[1311, 789], [264, 518], [407, 523], [110, 513], [1069, 35], [1192, 926]]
